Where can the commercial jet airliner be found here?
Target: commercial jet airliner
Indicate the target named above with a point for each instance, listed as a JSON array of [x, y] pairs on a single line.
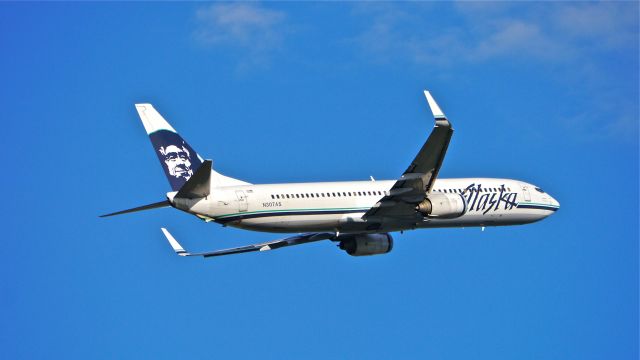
[[357, 215]]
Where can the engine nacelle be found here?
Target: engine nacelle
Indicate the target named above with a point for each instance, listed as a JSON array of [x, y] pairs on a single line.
[[367, 244], [445, 206]]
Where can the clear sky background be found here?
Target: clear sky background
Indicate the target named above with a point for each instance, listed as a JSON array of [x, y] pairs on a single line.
[[294, 92]]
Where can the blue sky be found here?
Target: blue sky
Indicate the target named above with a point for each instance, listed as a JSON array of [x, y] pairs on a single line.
[[287, 92]]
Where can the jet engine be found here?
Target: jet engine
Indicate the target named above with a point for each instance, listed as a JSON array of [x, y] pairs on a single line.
[[367, 244], [445, 206]]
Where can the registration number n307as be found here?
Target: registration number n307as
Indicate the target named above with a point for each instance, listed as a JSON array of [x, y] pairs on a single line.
[[271, 204]]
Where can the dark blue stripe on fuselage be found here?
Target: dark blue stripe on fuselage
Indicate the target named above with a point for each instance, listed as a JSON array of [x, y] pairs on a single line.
[[538, 207], [284, 213]]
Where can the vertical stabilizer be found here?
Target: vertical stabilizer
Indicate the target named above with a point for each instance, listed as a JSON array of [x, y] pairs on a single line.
[[178, 159]]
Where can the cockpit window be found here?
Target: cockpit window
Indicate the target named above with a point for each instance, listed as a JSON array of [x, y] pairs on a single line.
[[539, 190]]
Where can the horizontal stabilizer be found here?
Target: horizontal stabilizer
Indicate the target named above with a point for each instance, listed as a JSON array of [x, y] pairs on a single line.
[[160, 204], [199, 185]]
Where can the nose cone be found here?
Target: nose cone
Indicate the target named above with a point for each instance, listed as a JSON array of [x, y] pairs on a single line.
[[554, 202]]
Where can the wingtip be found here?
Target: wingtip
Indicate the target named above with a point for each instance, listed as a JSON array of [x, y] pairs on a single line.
[[174, 243], [435, 109]]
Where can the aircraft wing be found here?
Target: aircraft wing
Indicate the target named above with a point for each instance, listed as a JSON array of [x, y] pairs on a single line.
[[417, 181], [270, 245]]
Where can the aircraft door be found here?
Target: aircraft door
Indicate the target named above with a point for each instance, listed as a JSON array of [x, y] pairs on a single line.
[[526, 193], [242, 200]]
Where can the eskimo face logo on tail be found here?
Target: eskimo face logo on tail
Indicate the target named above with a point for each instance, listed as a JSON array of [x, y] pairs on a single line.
[[178, 161]]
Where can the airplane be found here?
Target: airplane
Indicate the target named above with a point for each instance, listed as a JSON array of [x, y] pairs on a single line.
[[357, 215]]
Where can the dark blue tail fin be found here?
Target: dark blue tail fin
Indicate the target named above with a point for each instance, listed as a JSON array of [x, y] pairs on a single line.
[[178, 159]]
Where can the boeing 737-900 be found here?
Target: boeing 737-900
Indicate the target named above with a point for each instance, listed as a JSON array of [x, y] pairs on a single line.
[[357, 215]]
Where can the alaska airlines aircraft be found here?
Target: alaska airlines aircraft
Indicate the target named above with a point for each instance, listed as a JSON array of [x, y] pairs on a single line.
[[358, 215]]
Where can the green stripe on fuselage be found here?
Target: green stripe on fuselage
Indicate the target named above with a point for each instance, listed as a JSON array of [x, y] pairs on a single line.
[[289, 210]]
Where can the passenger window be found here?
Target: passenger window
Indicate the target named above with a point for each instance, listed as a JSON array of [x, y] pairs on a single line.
[[273, 197], [287, 196]]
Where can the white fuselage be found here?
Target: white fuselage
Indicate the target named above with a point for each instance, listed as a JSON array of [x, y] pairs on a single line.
[[339, 206]]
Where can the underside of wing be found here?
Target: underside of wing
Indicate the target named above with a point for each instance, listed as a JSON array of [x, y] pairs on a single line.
[[270, 245], [417, 181]]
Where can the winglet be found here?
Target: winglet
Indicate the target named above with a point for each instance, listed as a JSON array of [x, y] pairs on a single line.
[[435, 109], [174, 243]]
